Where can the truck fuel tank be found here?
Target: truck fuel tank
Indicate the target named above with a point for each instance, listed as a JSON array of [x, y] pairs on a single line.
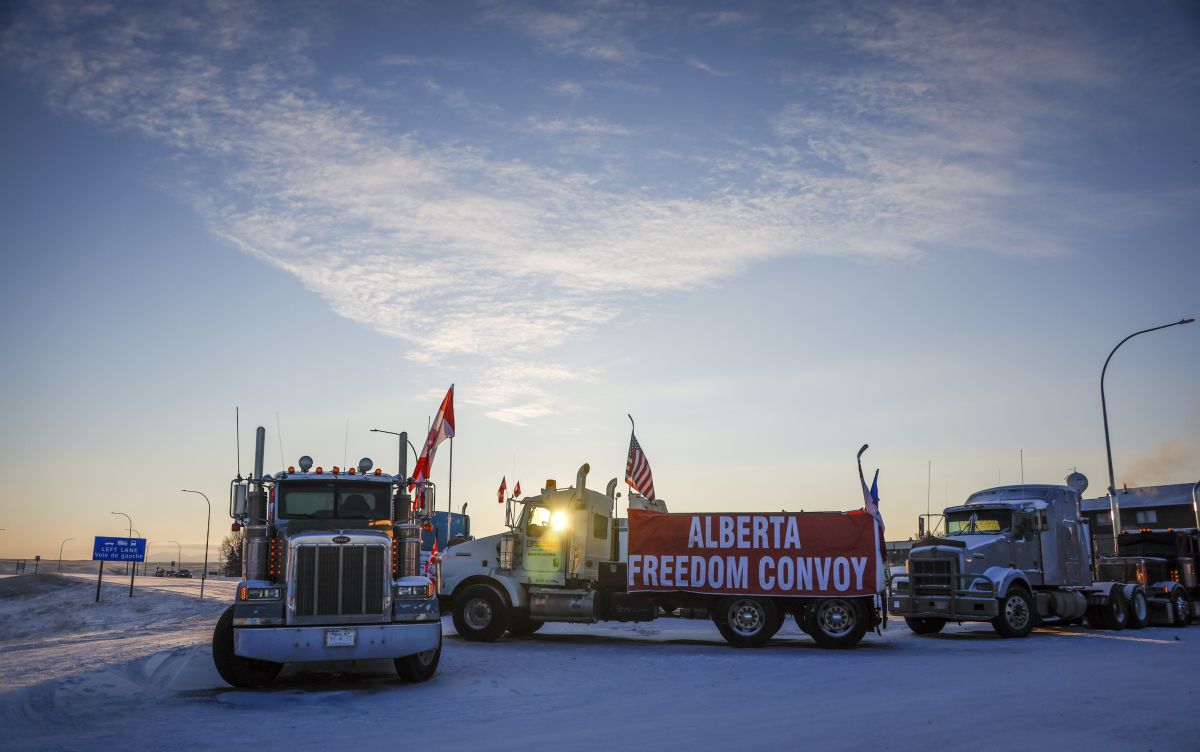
[[562, 605]]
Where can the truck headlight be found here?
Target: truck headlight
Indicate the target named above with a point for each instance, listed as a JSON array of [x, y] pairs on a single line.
[[259, 593], [414, 591], [981, 584]]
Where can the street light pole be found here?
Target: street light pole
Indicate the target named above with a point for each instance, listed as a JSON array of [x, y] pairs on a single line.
[[130, 533], [60, 550], [1114, 507], [178, 555], [204, 572]]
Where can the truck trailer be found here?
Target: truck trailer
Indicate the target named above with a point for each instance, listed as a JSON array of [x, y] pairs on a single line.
[[1017, 556], [567, 558], [330, 571]]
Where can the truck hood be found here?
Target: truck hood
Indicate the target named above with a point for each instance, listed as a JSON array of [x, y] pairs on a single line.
[[959, 544], [469, 558]]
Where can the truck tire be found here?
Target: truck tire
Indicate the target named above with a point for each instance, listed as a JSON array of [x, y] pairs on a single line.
[[1179, 608], [924, 626], [244, 673], [1138, 609], [836, 623], [419, 667], [1017, 616], [523, 626], [1114, 614], [746, 622], [480, 614]]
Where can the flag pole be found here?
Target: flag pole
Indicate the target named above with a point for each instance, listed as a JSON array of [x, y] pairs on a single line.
[[450, 493]]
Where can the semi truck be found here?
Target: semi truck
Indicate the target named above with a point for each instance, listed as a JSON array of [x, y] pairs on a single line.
[[330, 572], [1017, 556], [567, 558]]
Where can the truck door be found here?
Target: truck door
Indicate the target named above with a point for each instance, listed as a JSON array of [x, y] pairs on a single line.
[[543, 533], [1026, 547]]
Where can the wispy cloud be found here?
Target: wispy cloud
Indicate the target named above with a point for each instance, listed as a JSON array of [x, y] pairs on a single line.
[[700, 65], [462, 253]]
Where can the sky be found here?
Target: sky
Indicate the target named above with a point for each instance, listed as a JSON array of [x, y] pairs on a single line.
[[771, 232]]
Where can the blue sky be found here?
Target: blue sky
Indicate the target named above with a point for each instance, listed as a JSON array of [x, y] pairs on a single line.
[[771, 232]]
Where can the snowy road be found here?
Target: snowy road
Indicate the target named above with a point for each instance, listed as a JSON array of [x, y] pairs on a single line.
[[77, 675]]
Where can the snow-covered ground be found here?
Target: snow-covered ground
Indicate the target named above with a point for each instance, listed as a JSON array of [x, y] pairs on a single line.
[[137, 672]]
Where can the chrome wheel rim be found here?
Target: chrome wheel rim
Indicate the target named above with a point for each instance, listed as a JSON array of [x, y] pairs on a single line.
[[834, 618], [1140, 608], [478, 613], [746, 617], [1016, 612], [1181, 608]]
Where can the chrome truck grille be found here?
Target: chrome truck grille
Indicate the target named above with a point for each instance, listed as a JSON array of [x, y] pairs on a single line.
[[339, 583], [931, 575]]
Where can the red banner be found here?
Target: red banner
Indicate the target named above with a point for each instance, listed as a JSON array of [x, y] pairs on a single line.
[[806, 553]]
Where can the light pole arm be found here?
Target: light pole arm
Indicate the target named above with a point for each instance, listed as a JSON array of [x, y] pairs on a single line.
[[1114, 506]]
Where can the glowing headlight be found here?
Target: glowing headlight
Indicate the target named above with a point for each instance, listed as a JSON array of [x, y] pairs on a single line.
[[414, 591], [558, 520], [259, 593]]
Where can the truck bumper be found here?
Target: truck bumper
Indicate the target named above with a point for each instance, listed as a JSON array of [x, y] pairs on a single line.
[[303, 644], [952, 608]]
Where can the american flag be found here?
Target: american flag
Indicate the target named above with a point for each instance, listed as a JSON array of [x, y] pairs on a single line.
[[637, 469]]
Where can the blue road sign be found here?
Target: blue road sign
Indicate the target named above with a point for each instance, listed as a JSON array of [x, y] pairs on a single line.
[[119, 549]]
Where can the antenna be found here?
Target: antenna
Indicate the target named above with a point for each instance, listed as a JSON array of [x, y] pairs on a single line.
[[1022, 466], [237, 437], [346, 446], [279, 433]]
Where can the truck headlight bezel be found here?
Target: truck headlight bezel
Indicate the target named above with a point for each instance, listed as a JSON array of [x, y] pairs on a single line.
[[247, 594], [414, 591]]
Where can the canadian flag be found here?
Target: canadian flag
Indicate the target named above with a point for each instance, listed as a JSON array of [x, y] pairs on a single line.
[[503, 488], [442, 429], [517, 490], [432, 555]]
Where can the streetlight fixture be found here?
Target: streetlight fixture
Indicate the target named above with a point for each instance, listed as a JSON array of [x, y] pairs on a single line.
[[130, 533], [403, 440], [203, 572], [60, 550], [1114, 507]]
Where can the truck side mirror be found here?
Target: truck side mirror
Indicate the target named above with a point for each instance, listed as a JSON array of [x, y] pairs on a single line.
[[430, 501], [239, 501]]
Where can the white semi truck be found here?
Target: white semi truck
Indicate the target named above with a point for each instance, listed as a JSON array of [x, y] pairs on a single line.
[[567, 558], [1016, 556], [330, 571]]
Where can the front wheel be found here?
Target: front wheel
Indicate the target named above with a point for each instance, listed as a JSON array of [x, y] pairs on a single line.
[[480, 614], [1017, 617], [746, 622], [924, 625], [836, 623], [419, 667], [245, 673]]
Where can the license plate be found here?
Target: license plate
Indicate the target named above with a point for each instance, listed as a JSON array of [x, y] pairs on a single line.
[[940, 605], [339, 638]]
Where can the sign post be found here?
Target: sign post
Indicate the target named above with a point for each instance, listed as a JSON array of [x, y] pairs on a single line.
[[117, 549], [36, 561]]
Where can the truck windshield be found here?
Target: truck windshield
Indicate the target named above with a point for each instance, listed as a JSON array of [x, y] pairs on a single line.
[[982, 521], [345, 501]]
